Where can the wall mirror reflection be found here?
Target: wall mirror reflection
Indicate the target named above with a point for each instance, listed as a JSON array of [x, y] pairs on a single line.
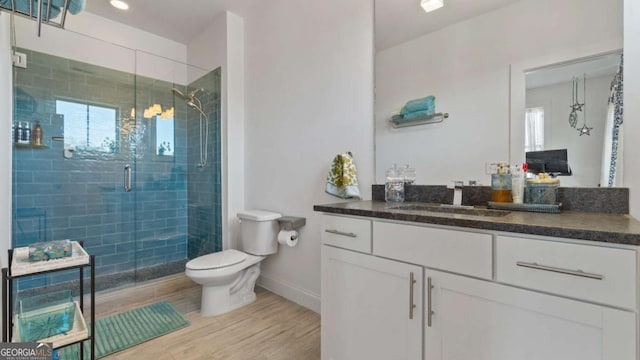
[[576, 108], [571, 101], [464, 54]]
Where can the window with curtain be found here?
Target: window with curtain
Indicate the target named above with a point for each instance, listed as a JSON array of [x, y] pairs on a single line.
[[534, 129]]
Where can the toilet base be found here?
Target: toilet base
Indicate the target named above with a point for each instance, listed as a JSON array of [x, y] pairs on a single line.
[[217, 300]]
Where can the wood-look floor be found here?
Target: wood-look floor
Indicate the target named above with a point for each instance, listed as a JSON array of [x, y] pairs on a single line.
[[268, 329]]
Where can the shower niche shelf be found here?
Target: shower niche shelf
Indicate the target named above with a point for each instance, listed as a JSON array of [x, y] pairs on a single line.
[[20, 266]]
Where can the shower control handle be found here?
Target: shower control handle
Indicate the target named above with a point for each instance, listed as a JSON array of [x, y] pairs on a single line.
[[127, 178]]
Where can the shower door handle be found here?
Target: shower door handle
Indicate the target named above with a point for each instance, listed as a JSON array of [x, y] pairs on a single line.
[[127, 178]]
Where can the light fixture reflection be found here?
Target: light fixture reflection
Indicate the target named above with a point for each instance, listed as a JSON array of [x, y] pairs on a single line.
[[430, 5]]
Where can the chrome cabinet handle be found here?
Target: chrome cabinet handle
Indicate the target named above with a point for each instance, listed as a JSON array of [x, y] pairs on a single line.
[[127, 178], [412, 306], [579, 273], [429, 304], [338, 232]]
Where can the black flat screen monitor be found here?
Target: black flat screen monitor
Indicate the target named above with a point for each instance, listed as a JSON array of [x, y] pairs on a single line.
[[548, 161]]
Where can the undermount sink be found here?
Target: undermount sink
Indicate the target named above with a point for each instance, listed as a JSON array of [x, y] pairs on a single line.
[[451, 209]]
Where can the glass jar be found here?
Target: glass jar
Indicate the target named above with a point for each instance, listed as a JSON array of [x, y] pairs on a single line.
[[409, 175], [394, 185]]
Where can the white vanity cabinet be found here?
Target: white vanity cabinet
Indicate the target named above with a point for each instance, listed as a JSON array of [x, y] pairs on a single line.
[[483, 295], [371, 307], [481, 320]]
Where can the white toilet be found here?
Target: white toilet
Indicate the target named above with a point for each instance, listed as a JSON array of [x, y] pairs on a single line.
[[228, 277]]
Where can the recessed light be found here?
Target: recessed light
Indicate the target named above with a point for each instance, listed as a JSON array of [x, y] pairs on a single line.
[[119, 4], [430, 5]]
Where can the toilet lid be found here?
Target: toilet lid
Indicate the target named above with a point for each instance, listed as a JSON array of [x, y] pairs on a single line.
[[217, 260]]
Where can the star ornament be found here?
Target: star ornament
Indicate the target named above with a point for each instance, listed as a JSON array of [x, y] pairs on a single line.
[[577, 107], [585, 130]]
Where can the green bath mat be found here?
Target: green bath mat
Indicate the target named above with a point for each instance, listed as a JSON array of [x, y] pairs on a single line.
[[120, 331]]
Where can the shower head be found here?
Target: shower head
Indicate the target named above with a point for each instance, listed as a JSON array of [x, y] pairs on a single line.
[[189, 97]]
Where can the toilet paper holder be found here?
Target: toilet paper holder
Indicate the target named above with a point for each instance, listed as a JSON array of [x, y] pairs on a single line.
[[288, 223]]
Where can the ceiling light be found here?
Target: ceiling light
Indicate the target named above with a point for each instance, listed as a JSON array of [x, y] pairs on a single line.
[[430, 5], [119, 4]]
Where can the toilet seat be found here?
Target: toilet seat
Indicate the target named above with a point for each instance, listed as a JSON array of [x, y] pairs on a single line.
[[217, 260]]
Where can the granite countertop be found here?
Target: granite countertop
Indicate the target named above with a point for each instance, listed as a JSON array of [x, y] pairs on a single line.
[[603, 227]]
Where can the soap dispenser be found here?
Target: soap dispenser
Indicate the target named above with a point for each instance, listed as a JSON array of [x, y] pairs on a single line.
[[501, 184]]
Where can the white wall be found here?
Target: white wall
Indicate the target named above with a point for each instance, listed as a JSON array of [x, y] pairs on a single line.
[[632, 105], [309, 81], [466, 66], [584, 152], [222, 45]]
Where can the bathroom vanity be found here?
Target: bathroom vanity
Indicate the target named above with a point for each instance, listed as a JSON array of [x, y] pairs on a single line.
[[420, 284]]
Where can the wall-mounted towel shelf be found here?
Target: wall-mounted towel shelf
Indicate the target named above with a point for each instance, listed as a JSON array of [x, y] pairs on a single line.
[[49, 12], [430, 119]]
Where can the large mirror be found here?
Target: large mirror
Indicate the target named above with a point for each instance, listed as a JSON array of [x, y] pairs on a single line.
[[468, 61], [571, 119]]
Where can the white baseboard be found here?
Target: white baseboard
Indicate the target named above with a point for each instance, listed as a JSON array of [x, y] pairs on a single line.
[[291, 292]]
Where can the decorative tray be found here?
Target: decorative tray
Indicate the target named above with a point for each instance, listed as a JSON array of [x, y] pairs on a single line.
[[541, 208], [22, 266]]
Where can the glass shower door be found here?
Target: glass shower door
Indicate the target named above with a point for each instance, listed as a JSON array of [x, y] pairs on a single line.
[[177, 152], [72, 184], [129, 162]]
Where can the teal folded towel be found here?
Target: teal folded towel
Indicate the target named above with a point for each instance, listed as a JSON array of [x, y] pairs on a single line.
[[418, 114], [397, 117], [424, 104], [22, 6], [75, 6]]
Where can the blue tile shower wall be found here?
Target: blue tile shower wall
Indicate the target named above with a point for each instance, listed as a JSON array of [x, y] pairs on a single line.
[[204, 185], [82, 197]]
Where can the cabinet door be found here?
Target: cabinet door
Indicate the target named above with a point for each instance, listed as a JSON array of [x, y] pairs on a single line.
[[479, 320], [366, 307]]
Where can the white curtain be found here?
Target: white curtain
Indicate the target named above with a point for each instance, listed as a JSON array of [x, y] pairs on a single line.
[[534, 129], [612, 154]]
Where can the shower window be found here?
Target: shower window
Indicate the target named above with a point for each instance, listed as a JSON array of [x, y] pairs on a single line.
[[89, 127], [164, 136]]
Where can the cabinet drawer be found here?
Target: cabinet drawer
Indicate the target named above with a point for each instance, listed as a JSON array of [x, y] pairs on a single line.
[[457, 251], [600, 274], [346, 232]]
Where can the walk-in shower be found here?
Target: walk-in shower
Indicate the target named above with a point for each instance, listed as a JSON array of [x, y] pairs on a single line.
[[125, 110], [196, 104]]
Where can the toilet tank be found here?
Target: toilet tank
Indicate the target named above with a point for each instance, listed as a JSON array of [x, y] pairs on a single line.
[[259, 231]]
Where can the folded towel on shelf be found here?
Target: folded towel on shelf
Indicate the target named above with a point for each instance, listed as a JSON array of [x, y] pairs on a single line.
[[412, 116], [418, 114], [22, 6], [342, 180], [397, 117], [75, 6], [424, 104]]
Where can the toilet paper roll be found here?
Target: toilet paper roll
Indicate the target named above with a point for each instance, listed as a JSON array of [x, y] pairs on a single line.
[[288, 237]]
